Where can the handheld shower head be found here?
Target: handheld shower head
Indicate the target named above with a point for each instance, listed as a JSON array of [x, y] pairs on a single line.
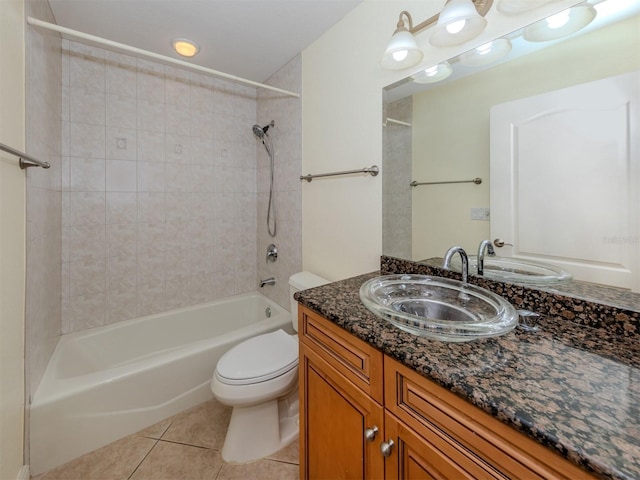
[[260, 132]]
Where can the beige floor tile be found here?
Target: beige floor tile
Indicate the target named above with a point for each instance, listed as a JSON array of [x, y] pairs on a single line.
[[174, 461], [290, 453], [260, 470], [157, 430], [204, 425], [113, 462]]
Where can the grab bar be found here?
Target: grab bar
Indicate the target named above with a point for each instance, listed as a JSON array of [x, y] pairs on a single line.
[[476, 180], [373, 171], [26, 161]]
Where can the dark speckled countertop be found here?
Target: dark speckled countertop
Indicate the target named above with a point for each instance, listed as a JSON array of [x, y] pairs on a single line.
[[572, 387]]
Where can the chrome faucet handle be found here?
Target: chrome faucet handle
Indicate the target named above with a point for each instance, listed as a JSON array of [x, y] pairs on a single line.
[[272, 253]]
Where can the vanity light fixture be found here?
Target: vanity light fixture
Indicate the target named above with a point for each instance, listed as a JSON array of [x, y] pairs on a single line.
[[459, 22], [185, 47], [488, 53], [402, 50], [433, 74], [561, 24]]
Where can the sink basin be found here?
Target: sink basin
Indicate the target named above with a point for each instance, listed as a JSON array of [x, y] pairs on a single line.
[[507, 269], [438, 308]]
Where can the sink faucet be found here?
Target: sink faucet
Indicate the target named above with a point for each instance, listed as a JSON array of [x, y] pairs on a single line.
[[465, 261], [484, 245], [267, 281]]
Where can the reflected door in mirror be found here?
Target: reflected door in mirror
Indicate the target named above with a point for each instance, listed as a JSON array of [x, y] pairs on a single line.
[[565, 177]]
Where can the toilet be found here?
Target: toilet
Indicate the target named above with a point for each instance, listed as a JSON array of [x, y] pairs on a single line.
[[259, 379]]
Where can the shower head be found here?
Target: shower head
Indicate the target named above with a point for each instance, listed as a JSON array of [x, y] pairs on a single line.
[[260, 132]]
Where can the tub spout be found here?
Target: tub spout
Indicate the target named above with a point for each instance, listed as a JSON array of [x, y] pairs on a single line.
[[267, 281]]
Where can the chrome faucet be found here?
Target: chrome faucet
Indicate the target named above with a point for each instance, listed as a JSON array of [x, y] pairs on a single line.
[[465, 261], [267, 281], [484, 245]]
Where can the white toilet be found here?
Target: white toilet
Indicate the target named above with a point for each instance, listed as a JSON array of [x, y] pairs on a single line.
[[259, 379]]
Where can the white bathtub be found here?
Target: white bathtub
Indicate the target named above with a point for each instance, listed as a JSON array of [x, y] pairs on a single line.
[[108, 382]]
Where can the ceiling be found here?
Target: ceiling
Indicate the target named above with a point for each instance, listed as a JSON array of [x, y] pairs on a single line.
[[252, 39]]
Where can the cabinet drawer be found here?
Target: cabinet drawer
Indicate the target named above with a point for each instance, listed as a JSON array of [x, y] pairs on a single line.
[[355, 359], [476, 435]]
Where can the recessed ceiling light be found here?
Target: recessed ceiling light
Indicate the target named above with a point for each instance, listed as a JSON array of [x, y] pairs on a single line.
[[185, 47]]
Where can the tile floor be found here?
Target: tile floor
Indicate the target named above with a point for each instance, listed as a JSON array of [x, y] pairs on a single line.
[[184, 447]]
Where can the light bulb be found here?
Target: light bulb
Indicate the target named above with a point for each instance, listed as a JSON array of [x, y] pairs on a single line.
[[431, 71], [558, 20], [400, 55], [456, 27], [184, 47], [484, 49]]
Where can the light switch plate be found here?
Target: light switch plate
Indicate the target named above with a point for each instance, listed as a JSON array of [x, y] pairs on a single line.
[[480, 213]]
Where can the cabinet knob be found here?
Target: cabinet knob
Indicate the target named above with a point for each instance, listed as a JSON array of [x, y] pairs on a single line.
[[386, 448], [370, 433]]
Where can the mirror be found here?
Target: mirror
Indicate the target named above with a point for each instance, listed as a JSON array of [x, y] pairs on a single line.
[[439, 132]]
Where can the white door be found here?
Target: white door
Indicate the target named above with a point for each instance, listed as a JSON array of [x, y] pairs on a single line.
[[565, 177]]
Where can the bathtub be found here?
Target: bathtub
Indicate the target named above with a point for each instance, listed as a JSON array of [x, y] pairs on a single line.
[[109, 382]]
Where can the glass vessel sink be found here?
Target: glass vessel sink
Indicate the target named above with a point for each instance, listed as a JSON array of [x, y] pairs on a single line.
[[438, 308], [513, 270]]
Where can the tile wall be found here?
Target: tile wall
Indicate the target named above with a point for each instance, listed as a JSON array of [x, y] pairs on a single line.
[[396, 192], [286, 111], [44, 222], [43, 313], [159, 188]]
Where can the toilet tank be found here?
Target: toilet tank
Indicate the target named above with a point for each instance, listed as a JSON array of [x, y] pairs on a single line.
[[302, 281]]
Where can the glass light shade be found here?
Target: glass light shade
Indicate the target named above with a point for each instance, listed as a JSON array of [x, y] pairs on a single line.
[[560, 25], [395, 58], [487, 53], [184, 47], [458, 23], [433, 74]]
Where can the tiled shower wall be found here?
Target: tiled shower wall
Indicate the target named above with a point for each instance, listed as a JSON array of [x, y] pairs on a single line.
[[286, 111], [44, 222], [159, 188], [396, 192]]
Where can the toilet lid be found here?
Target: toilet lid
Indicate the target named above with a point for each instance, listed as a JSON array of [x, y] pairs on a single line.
[[259, 359]]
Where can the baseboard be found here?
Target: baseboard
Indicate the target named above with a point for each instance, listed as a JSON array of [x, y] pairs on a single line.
[[24, 473]]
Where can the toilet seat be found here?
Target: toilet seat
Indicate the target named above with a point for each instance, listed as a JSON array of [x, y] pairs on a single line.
[[258, 359]]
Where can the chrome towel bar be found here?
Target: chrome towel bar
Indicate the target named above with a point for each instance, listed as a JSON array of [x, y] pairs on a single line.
[[26, 161], [476, 180], [373, 171]]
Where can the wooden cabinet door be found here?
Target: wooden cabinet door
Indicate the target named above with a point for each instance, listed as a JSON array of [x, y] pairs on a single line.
[[334, 415], [415, 458]]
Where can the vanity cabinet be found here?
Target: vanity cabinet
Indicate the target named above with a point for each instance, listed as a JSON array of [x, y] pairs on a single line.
[[365, 415], [341, 413]]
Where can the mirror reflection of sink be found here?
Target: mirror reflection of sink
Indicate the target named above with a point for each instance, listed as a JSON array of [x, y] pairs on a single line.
[[438, 308], [514, 270]]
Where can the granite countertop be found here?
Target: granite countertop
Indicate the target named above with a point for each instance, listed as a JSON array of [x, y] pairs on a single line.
[[573, 388]]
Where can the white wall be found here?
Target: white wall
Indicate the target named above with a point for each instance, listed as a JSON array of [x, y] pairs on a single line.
[[342, 127], [12, 238]]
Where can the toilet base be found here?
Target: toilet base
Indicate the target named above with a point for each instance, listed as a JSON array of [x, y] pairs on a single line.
[[260, 430]]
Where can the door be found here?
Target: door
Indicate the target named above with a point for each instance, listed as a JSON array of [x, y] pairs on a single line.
[[334, 416], [565, 179]]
